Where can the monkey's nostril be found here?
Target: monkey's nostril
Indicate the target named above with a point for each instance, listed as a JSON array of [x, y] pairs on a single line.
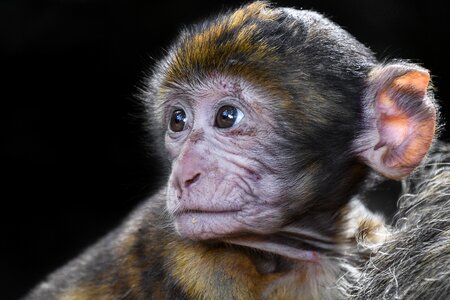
[[191, 181]]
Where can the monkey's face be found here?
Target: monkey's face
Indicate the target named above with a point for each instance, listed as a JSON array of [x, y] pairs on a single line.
[[267, 126], [226, 178]]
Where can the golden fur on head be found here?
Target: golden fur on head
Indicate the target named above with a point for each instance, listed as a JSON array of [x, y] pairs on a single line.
[[217, 45]]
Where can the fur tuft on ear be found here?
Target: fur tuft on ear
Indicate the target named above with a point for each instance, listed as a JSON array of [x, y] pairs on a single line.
[[399, 119]]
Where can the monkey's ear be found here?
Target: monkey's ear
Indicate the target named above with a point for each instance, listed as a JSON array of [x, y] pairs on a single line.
[[399, 121]]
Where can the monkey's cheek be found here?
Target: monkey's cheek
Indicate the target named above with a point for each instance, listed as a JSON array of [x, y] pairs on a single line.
[[207, 225]]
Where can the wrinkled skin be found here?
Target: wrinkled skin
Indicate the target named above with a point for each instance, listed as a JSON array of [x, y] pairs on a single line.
[[224, 180]]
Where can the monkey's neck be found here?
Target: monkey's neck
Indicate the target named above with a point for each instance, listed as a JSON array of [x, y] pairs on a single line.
[[313, 236], [291, 243]]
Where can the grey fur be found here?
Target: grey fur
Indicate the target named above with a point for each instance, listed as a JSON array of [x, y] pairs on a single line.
[[415, 262]]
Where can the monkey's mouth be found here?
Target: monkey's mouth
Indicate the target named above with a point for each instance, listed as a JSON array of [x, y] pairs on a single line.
[[198, 216], [205, 224], [203, 212]]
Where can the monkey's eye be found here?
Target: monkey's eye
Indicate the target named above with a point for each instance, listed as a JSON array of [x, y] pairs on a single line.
[[178, 120], [227, 116]]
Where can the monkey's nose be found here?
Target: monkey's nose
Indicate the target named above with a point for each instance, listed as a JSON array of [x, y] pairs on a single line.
[[192, 180]]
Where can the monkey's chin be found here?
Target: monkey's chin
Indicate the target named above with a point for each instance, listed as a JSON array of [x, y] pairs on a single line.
[[207, 225], [223, 226]]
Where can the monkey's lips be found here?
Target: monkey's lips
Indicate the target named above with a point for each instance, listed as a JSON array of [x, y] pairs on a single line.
[[206, 224]]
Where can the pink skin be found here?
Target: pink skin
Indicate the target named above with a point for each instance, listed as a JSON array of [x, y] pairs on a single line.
[[219, 186], [399, 137], [223, 184]]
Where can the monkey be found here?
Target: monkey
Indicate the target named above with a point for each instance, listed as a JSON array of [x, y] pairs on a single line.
[[270, 119]]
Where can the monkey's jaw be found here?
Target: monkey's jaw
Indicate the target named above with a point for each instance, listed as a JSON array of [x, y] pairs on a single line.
[[274, 245]]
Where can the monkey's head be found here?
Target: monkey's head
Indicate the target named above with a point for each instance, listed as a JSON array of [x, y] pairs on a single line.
[[271, 116]]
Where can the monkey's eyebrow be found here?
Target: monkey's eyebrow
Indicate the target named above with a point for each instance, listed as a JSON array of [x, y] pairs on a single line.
[[231, 100], [172, 103]]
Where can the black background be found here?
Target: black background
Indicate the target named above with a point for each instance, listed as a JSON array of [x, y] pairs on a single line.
[[72, 161]]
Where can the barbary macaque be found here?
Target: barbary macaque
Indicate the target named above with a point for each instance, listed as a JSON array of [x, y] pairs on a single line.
[[271, 119]]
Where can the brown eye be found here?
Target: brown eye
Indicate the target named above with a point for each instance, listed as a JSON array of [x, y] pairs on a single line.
[[227, 116], [178, 120]]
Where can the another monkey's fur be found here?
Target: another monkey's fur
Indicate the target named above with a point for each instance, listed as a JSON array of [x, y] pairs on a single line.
[[261, 204], [414, 263]]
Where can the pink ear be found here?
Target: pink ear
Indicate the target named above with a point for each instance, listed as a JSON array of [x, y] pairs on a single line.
[[401, 120]]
